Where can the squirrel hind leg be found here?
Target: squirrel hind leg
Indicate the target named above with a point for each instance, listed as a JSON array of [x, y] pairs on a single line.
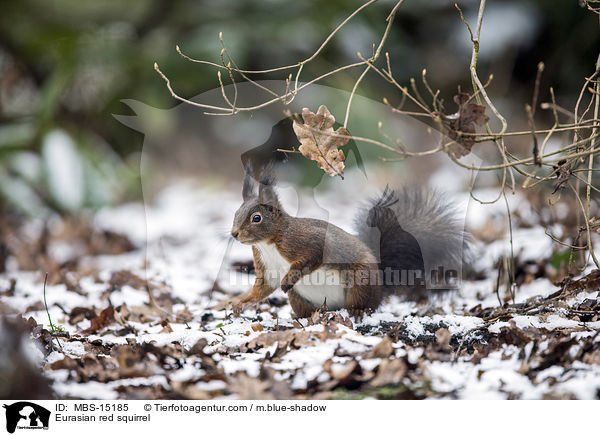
[[361, 299], [301, 306]]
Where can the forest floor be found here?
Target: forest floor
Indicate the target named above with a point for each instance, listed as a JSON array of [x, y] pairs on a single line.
[[129, 294]]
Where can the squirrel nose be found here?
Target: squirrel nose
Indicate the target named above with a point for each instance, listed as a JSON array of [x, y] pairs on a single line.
[[235, 233]]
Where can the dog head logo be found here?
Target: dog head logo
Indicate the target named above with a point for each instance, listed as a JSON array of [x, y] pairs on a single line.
[[26, 415]]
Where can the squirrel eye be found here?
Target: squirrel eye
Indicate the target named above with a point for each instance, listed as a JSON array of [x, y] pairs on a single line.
[[256, 218]]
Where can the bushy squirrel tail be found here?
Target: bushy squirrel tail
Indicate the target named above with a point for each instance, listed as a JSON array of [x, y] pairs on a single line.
[[414, 229]]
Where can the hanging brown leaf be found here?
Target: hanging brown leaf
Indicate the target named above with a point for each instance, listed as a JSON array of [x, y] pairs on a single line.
[[320, 142], [464, 121]]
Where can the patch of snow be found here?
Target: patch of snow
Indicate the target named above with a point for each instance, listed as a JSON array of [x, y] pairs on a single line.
[[88, 391]]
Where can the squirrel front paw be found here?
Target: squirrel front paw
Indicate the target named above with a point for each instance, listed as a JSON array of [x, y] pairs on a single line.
[[240, 307], [290, 279], [285, 286]]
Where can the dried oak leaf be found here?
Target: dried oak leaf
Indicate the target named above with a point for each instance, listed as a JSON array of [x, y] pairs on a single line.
[[320, 142], [78, 314], [106, 318], [558, 353], [442, 337], [108, 242], [142, 392], [65, 363], [350, 368], [184, 315], [280, 389], [143, 313], [389, 372], [124, 277], [88, 367], [339, 319], [189, 391], [283, 338], [319, 316], [166, 327], [464, 121], [250, 388], [351, 376], [383, 349], [133, 362]]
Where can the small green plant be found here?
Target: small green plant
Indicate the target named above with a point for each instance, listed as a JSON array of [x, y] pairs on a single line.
[[53, 328]]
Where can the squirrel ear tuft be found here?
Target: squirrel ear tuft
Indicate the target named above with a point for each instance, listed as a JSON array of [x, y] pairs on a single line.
[[266, 189], [267, 195], [249, 187]]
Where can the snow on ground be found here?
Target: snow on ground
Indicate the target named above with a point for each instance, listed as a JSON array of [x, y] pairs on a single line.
[[151, 332]]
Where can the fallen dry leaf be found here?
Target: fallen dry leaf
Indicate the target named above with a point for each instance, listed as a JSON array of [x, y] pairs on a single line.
[[351, 376], [442, 337], [124, 277], [132, 363], [389, 372], [78, 314], [283, 338], [189, 391], [166, 327], [250, 388], [141, 313], [350, 368], [383, 349], [320, 142], [106, 318]]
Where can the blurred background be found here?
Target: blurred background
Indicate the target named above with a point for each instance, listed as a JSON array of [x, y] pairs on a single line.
[[65, 67]]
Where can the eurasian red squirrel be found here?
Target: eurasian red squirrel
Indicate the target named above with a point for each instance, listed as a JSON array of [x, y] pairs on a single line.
[[320, 265]]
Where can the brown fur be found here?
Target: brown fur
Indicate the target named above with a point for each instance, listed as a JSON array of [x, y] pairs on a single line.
[[306, 244], [302, 307]]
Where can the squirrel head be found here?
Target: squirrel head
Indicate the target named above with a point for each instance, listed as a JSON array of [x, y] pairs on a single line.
[[259, 217]]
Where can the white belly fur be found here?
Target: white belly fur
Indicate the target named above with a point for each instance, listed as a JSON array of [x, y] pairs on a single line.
[[323, 285]]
